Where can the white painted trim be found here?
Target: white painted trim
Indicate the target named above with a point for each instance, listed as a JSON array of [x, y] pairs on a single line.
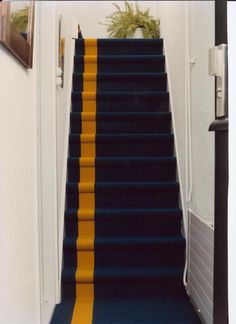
[[188, 180], [47, 174], [74, 28], [188, 106], [183, 205], [38, 153], [176, 144]]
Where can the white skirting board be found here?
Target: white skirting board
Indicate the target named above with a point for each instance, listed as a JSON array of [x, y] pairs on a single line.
[[200, 273]]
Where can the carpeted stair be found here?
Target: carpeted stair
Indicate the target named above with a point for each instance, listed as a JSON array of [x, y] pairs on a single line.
[[123, 249]]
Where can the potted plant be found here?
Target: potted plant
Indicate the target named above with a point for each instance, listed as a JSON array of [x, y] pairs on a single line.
[[132, 22]]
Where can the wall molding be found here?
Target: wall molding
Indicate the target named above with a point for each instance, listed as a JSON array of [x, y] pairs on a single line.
[[61, 204], [46, 157]]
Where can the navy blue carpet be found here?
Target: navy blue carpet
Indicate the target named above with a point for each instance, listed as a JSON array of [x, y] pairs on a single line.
[[121, 139]]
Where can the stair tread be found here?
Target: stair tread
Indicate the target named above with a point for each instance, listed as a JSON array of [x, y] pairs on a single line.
[[110, 136], [127, 273], [120, 57], [123, 114], [125, 40], [122, 187], [121, 160], [163, 275], [122, 211], [112, 94], [119, 75], [123, 101], [124, 214], [107, 63], [131, 242], [131, 184]]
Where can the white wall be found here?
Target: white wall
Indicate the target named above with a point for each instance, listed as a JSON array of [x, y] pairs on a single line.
[[188, 32], [202, 36], [232, 162], [90, 13], [28, 189], [19, 275], [172, 17]]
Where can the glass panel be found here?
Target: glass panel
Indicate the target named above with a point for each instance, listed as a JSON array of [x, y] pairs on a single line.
[[19, 15]]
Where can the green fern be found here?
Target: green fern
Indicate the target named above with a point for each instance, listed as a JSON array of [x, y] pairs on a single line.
[[123, 23]]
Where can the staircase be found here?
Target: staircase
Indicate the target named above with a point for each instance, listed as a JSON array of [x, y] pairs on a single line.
[[123, 249]]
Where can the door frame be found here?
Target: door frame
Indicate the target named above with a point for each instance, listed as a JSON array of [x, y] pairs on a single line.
[[220, 127]]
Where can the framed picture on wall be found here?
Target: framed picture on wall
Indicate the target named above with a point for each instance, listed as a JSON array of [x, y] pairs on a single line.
[[17, 29]]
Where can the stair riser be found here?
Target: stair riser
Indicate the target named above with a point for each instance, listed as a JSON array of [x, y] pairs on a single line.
[[128, 200], [115, 47], [123, 65], [141, 228], [113, 278], [121, 84], [155, 148], [131, 258], [156, 125], [131, 290], [122, 103], [68, 291], [158, 172]]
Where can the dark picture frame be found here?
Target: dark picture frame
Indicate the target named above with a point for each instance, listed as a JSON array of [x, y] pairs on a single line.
[[21, 46]]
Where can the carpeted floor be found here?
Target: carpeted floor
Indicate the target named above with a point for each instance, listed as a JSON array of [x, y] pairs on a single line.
[[123, 249]]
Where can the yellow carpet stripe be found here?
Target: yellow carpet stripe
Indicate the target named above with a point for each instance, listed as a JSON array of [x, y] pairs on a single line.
[[88, 116], [87, 169], [89, 96], [85, 269], [87, 173], [85, 214], [89, 82], [88, 123], [85, 244], [87, 162], [90, 64], [83, 309], [87, 145], [89, 101], [90, 45]]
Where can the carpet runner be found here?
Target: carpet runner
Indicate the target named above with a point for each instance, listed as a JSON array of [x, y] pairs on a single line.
[[123, 249]]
